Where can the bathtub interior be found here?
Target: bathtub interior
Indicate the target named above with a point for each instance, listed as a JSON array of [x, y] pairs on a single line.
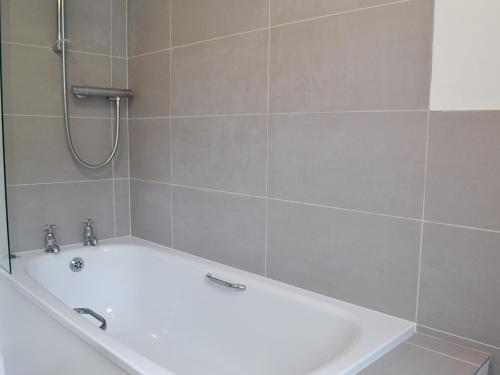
[[167, 310]]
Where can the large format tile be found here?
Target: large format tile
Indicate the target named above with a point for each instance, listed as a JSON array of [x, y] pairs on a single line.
[[226, 228], [224, 153], [463, 183], [151, 211], [88, 25], [88, 70], [223, 76], [364, 259], [148, 26], [283, 11], [119, 25], [412, 360], [150, 149], [122, 207], [459, 282], [37, 151], [365, 161], [32, 80], [26, 21], [374, 59], [149, 78], [195, 20], [32, 206]]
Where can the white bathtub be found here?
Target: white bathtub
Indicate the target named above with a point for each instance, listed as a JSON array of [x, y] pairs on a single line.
[[165, 317]]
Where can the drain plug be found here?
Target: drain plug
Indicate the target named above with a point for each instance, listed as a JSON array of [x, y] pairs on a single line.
[[77, 264]]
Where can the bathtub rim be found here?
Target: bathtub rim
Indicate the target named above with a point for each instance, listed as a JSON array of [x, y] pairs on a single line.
[[135, 363]]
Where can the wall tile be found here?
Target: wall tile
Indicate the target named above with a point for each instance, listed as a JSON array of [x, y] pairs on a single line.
[[150, 81], [88, 25], [31, 80], [494, 352], [222, 227], [224, 76], [294, 10], [122, 207], [364, 259], [32, 206], [463, 183], [321, 65], [121, 159], [151, 211], [88, 70], [119, 24], [25, 21], [412, 360], [150, 149], [148, 26], [459, 282], [365, 161], [196, 20], [37, 151], [224, 153]]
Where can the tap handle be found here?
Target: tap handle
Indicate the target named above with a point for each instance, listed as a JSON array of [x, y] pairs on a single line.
[[88, 222], [49, 228]]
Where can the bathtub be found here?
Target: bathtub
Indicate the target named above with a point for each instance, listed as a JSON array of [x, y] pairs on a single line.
[[164, 316]]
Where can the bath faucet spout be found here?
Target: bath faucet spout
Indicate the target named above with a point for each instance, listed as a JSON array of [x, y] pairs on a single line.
[[89, 238], [51, 246]]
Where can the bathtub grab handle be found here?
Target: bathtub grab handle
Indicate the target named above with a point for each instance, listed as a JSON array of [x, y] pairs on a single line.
[[226, 284], [92, 313]]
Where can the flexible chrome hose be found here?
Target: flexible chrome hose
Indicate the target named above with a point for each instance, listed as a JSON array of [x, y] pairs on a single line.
[[62, 44]]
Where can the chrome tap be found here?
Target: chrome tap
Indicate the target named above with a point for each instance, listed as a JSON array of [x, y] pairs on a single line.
[[89, 238], [51, 246]]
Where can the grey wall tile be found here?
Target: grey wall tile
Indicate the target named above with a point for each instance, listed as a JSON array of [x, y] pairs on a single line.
[[122, 207], [322, 65], [149, 78], [25, 21], [32, 206], [364, 259], [222, 227], [365, 161], [459, 282], [119, 25], [151, 211], [37, 151], [411, 360], [88, 25], [223, 76], [196, 20], [88, 70], [294, 10], [121, 159], [494, 352], [463, 183], [150, 149], [31, 80], [148, 26], [224, 153]]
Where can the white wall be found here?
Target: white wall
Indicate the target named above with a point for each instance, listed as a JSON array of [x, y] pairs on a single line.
[[466, 61], [32, 343]]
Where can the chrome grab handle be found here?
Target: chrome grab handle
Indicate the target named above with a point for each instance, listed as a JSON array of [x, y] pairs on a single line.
[[226, 284], [92, 313]]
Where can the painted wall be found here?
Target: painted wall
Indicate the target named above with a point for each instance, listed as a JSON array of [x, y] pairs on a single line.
[[33, 343], [45, 185], [466, 55]]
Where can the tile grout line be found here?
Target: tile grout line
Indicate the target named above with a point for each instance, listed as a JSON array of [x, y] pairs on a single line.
[[61, 182], [427, 134], [458, 337], [441, 354], [128, 125], [267, 137], [450, 342], [270, 26], [170, 130]]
